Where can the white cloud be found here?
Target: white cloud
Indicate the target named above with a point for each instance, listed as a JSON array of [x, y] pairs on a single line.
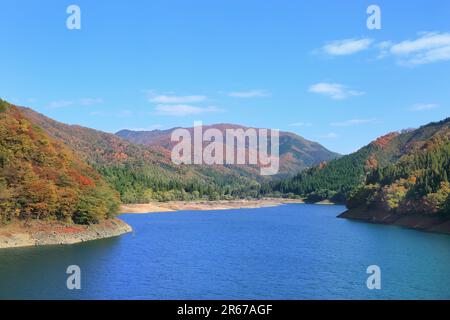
[[180, 110], [335, 91], [68, 103], [424, 106], [352, 122], [346, 46], [90, 101], [427, 48], [301, 124], [60, 104], [162, 98], [384, 48], [249, 94]]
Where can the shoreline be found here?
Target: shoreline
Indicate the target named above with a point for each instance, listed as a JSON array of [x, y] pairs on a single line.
[[41, 233], [19, 234], [419, 222], [204, 205]]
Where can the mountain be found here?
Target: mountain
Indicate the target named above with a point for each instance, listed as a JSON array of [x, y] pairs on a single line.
[[335, 179], [51, 170], [413, 192], [145, 173], [142, 172], [138, 164], [41, 178], [296, 153], [418, 182], [94, 146]]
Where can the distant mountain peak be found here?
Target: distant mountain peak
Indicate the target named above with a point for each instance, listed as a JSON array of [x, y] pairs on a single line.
[[338, 178], [296, 153]]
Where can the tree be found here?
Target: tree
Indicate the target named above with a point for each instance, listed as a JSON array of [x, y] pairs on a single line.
[[40, 178]]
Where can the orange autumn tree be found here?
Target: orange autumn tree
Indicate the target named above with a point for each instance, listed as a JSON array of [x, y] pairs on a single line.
[[417, 183], [42, 179]]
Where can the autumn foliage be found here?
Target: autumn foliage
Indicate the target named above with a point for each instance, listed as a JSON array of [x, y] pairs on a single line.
[[405, 171], [40, 178], [418, 183]]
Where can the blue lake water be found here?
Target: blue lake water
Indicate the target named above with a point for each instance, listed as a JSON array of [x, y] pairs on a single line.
[[288, 252]]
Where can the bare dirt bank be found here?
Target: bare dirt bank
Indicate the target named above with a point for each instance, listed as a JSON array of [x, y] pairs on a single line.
[[39, 233], [413, 221], [204, 205]]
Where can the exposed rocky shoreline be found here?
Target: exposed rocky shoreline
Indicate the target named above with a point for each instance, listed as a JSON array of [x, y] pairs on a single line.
[[204, 205], [40, 233], [420, 222]]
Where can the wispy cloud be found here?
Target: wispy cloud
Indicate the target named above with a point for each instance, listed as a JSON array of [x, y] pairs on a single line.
[[179, 106], [352, 122], [429, 47], [60, 104], [249, 94], [335, 91], [68, 103], [300, 124], [384, 47], [180, 110], [345, 47], [424, 106], [91, 101], [165, 99]]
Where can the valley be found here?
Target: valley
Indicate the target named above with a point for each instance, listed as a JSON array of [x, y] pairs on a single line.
[[73, 174]]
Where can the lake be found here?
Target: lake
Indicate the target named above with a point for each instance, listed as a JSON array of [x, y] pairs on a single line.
[[294, 251]]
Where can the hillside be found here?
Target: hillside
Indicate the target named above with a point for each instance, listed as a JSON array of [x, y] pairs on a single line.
[[296, 153], [42, 179], [142, 173], [145, 173], [336, 179], [417, 183]]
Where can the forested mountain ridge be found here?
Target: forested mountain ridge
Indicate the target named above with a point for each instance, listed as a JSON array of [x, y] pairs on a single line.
[[94, 146], [145, 173], [142, 173], [417, 183], [296, 153], [338, 179], [335, 179], [40, 178], [50, 170]]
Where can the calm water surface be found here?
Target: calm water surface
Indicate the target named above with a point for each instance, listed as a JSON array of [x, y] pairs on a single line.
[[289, 252]]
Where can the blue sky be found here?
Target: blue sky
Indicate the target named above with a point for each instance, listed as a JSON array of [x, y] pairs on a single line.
[[311, 67]]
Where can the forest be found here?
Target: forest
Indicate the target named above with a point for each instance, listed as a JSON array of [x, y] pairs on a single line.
[[52, 171], [403, 172], [42, 179], [418, 183], [329, 181], [137, 183]]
